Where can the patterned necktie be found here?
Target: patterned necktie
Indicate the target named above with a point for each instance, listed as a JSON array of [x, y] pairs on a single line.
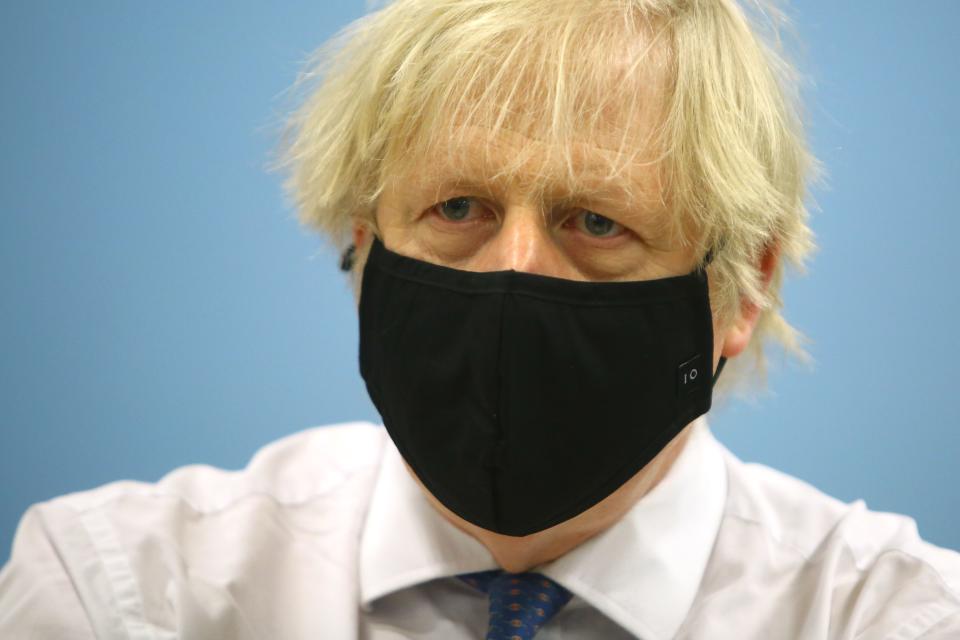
[[520, 603]]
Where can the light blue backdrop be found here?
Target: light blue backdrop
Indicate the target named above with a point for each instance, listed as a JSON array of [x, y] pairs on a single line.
[[160, 306]]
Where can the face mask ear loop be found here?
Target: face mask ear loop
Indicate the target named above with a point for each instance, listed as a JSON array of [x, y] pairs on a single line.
[[348, 257], [711, 254], [716, 374], [707, 259]]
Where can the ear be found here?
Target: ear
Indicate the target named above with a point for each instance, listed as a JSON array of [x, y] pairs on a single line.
[[361, 236], [737, 336]]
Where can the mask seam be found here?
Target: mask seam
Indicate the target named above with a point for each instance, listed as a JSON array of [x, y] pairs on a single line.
[[501, 439]]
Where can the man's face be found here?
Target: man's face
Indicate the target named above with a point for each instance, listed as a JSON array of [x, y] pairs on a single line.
[[466, 217], [479, 202]]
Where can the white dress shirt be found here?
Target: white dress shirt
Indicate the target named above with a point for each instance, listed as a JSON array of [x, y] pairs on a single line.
[[326, 536]]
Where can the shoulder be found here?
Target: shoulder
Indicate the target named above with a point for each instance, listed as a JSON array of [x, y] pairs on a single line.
[[829, 567], [303, 466], [121, 549], [298, 467], [795, 515]]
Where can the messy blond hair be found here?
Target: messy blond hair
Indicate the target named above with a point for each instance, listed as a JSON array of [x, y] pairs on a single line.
[[730, 152]]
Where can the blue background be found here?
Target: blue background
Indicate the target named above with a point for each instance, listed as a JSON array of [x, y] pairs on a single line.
[[159, 304]]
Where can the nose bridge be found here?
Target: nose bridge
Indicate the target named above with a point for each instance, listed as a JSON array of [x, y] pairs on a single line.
[[524, 243]]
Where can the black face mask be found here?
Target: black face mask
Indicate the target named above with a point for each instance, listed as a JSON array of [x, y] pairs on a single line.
[[522, 400]]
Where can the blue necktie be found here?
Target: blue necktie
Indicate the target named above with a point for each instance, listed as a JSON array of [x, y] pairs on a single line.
[[520, 603]]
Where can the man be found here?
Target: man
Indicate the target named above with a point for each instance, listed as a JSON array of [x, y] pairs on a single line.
[[564, 217]]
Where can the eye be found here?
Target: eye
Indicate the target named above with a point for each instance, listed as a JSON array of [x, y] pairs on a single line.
[[457, 209], [596, 225]]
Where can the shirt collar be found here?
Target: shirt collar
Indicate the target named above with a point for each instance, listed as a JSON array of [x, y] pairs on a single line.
[[643, 572]]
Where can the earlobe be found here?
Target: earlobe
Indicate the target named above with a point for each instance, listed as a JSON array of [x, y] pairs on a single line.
[[361, 235], [737, 336]]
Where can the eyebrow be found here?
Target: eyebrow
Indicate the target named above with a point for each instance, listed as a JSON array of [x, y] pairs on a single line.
[[614, 196]]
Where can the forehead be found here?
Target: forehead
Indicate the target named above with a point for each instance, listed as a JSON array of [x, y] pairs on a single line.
[[617, 170]]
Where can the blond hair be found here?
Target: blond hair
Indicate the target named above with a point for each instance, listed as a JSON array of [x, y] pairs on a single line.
[[730, 152]]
